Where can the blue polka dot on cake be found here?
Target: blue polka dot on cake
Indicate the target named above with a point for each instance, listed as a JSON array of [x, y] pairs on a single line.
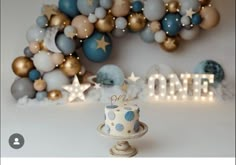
[[119, 127]]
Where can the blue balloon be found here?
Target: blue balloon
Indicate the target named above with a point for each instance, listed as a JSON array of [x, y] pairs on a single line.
[[147, 35], [171, 24], [196, 19], [137, 6], [87, 7], [97, 47], [69, 7], [65, 44], [28, 53], [34, 75], [42, 21], [40, 96]]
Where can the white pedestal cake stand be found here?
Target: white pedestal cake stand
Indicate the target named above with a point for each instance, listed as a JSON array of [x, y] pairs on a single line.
[[122, 147]]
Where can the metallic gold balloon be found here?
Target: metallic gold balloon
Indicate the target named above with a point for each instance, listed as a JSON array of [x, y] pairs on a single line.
[[155, 26], [71, 66], [54, 95], [60, 20], [170, 44], [173, 7], [210, 17], [106, 24], [204, 2], [43, 46], [40, 85], [120, 8], [136, 22], [21, 66]]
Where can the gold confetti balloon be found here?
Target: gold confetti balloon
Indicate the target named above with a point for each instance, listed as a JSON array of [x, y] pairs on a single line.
[[173, 7], [60, 20], [120, 8], [155, 26], [54, 95], [71, 66], [40, 85], [21, 66], [83, 27], [136, 22], [105, 25], [170, 44], [204, 2], [210, 17]]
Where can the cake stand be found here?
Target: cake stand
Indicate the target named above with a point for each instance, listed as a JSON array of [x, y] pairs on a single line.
[[122, 148]]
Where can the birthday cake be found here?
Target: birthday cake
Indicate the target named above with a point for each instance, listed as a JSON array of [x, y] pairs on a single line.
[[122, 120]]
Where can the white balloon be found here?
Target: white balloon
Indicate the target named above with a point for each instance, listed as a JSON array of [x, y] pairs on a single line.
[[92, 18], [189, 34], [43, 61], [154, 9], [55, 80], [50, 39], [185, 20], [100, 12], [160, 36], [35, 33], [121, 23]]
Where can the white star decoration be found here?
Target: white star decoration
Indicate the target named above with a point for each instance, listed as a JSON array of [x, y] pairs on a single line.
[[133, 77], [190, 12], [76, 90], [97, 86]]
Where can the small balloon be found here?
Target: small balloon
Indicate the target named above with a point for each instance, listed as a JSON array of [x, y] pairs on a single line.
[[170, 44], [34, 47], [147, 35], [54, 95], [83, 26], [106, 4], [28, 53], [65, 44], [105, 25], [121, 23], [136, 22], [155, 26], [173, 7], [43, 61], [100, 12], [34, 75], [60, 20], [196, 19], [42, 21], [35, 33], [57, 58], [137, 6], [87, 6], [40, 85], [70, 31], [40, 96], [71, 66], [92, 18], [185, 20], [21, 66], [160, 36]]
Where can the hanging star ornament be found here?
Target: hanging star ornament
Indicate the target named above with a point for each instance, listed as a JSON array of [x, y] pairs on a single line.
[[102, 44], [97, 86], [190, 12], [76, 90], [133, 77], [49, 10]]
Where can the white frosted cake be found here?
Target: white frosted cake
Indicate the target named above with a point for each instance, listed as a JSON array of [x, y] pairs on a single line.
[[122, 120]]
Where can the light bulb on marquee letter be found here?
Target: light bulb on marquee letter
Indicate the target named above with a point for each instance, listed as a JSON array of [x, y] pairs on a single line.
[[161, 88], [175, 85]]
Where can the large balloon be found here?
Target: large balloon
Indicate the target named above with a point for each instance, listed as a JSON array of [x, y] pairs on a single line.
[[55, 80], [98, 47], [154, 9], [35, 33], [110, 75], [87, 6], [43, 61], [21, 66], [22, 87], [171, 24], [210, 18], [69, 7], [65, 44]]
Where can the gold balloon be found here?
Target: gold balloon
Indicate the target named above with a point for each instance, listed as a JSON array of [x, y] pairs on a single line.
[[71, 66], [21, 66], [54, 95], [120, 8], [210, 17], [170, 44], [60, 20], [136, 22], [173, 7], [155, 26], [106, 24], [43, 46], [204, 2], [40, 85]]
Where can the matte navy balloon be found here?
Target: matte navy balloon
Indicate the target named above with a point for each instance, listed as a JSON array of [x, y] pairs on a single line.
[[196, 19], [34, 75], [137, 6], [28, 53], [42, 21], [69, 7], [65, 44], [171, 24], [95, 52]]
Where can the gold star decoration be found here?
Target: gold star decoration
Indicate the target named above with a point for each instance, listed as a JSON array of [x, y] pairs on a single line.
[[190, 12], [170, 43], [90, 2], [49, 10], [133, 77], [102, 44], [76, 90]]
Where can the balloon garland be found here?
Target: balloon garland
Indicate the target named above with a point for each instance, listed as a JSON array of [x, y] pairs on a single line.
[[50, 59]]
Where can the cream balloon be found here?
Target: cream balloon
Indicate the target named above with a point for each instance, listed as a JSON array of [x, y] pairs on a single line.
[[50, 39], [43, 62]]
